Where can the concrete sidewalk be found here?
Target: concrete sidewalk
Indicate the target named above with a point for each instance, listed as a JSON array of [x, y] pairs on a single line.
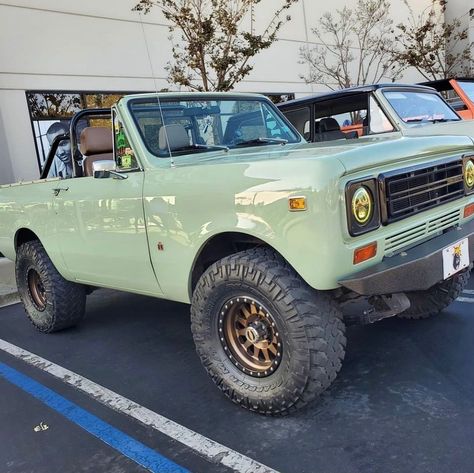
[[8, 290]]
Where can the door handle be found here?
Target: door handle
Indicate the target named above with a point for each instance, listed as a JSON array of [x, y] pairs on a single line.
[[59, 189]]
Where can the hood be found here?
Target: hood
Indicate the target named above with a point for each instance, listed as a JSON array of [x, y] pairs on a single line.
[[378, 153], [461, 127], [355, 155]]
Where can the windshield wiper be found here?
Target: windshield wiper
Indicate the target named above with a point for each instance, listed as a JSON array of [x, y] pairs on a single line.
[[225, 148], [263, 140], [442, 120], [431, 120]]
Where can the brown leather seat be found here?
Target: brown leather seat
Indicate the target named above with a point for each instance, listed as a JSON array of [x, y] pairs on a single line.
[[96, 144]]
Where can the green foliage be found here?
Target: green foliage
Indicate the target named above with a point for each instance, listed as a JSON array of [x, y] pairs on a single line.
[[215, 47], [435, 48], [355, 46]]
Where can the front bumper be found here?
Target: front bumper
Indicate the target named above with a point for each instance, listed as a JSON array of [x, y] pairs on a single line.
[[416, 269]]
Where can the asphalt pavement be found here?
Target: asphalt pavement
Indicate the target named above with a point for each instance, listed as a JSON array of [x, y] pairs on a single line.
[[403, 401]]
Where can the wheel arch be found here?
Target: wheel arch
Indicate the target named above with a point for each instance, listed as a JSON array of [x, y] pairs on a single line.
[[219, 246], [24, 235]]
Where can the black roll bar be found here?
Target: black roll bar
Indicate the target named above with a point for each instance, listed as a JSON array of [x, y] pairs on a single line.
[[87, 112], [71, 136], [52, 152]]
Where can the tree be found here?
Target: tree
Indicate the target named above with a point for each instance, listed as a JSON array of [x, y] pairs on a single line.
[[215, 48], [434, 47], [355, 46], [51, 105]]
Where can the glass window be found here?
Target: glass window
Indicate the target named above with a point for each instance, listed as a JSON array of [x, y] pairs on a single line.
[[196, 125], [453, 99], [347, 114], [51, 112], [124, 154], [417, 107], [300, 120], [379, 123], [468, 88]]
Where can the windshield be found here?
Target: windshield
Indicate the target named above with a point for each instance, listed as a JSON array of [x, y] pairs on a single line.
[[468, 88], [416, 107], [179, 127]]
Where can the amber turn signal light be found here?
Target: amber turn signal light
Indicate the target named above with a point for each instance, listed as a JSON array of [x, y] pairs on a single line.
[[297, 203], [468, 210], [365, 252]]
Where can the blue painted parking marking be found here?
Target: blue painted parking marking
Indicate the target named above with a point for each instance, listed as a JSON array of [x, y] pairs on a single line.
[[128, 446]]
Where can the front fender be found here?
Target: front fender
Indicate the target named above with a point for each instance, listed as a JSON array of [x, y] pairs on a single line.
[[186, 207]]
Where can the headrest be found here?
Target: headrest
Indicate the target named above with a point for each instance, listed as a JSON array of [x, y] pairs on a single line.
[[173, 137], [96, 140], [328, 124]]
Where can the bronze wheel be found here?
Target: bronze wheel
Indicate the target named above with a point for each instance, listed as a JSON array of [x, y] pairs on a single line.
[[51, 303], [269, 341], [36, 289], [250, 337]]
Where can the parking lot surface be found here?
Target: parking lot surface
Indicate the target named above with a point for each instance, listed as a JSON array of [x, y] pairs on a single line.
[[403, 401]]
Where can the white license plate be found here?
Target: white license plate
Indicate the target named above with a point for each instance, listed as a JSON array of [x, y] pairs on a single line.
[[455, 258]]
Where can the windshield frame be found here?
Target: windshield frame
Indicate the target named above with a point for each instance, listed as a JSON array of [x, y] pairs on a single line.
[[400, 120], [199, 97]]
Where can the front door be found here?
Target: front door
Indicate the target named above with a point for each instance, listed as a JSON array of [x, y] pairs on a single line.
[[101, 228]]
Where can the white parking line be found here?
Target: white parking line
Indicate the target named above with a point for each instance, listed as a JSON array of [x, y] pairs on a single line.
[[468, 291], [469, 300], [207, 448]]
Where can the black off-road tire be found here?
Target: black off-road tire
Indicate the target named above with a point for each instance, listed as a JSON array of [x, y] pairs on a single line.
[[425, 304], [65, 301], [310, 322]]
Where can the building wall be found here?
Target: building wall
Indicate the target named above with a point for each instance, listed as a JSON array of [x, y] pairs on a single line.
[[99, 45], [464, 11]]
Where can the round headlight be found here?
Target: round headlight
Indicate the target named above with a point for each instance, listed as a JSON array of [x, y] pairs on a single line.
[[362, 205], [469, 174]]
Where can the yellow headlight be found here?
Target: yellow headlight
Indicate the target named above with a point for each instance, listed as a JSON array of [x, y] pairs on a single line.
[[469, 174], [362, 205]]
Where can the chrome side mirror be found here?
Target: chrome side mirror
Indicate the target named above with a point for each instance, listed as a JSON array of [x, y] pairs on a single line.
[[106, 168]]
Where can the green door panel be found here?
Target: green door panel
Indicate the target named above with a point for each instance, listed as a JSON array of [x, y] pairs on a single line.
[[101, 233]]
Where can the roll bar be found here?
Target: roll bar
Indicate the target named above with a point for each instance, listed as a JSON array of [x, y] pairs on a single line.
[[71, 136]]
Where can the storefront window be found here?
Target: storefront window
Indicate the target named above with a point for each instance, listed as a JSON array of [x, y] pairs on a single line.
[[50, 114]]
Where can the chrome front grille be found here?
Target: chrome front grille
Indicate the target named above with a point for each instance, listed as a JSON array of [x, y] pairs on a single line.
[[418, 232], [421, 188]]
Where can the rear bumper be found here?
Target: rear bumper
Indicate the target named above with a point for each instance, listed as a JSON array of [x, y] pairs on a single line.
[[418, 269]]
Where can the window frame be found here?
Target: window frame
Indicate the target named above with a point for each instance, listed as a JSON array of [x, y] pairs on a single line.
[[115, 115], [202, 98], [298, 108]]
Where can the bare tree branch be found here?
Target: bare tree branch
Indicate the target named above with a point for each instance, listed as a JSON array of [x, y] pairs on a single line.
[[215, 49], [355, 46], [433, 46]]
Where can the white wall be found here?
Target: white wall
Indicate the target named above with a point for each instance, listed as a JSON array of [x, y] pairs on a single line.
[[99, 45], [460, 9]]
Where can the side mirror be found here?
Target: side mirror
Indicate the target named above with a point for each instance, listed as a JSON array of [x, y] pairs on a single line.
[[105, 169]]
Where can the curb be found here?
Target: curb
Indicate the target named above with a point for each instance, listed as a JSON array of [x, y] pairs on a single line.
[[8, 291], [9, 299], [7, 273]]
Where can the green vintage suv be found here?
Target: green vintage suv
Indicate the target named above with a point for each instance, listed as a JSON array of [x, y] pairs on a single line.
[[216, 200]]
